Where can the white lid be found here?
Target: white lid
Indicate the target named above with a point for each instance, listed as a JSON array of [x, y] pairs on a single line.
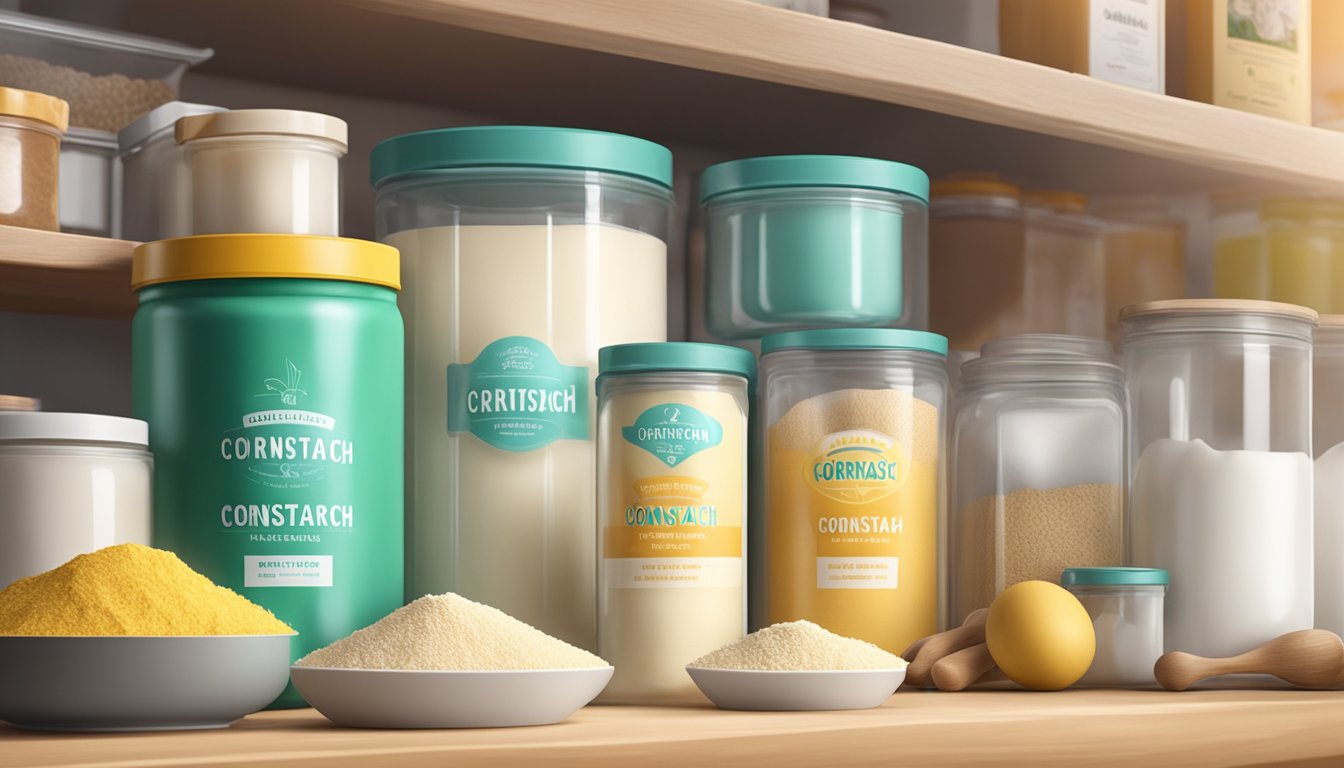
[[160, 118], [85, 427], [264, 122]]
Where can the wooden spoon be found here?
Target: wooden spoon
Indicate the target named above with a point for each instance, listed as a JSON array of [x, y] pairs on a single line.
[[1310, 658], [958, 671], [928, 651]]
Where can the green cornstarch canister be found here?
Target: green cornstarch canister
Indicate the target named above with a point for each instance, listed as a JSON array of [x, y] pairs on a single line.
[[270, 370]]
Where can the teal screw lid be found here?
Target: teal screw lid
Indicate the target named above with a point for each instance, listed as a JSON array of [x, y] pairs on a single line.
[[654, 357], [1113, 577], [856, 338], [520, 145], [812, 171]]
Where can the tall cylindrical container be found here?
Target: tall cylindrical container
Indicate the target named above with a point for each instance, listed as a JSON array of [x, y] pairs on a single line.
[[526, 250], [671, 500], [1039, 448], [1327, 438], [269, 368], [1221, 470], [853, 420]]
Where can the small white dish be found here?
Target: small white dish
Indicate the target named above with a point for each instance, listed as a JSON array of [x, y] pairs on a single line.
[[393, 698], [780, 691], [139, 683]]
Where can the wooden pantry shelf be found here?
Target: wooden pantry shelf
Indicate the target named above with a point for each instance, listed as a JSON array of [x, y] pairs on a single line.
[[745, 78], [58, 273], [1207, 728]]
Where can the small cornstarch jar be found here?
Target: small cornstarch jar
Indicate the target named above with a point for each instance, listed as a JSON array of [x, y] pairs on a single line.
[[1126, 609]]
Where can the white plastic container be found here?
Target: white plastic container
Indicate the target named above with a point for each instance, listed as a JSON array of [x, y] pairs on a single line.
[[70, 483], [1126, 609], [90, 183], [264, 170], [155, 184]]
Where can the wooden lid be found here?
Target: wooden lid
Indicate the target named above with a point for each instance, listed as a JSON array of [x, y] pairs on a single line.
[[19, 403], [1220, 306]]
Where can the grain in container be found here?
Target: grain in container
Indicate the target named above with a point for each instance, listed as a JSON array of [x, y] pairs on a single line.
[[1327, 437], [1282, 249], [70, 483], [31, 126], [1126, 607], [1220, 466], [90, 183], [264, 170], [672, 501], [808, 241], [155, 181], [526, 250], [270, 370], [1039, 447], [853, 420]]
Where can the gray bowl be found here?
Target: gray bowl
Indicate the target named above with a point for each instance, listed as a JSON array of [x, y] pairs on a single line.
[[781, 691], [139, 683]]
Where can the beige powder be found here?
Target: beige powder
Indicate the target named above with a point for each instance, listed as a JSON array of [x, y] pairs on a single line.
[[799, 646], [450, 632], [1032, 534]]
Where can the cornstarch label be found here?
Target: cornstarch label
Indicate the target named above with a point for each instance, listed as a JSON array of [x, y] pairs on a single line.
[[517, 396]]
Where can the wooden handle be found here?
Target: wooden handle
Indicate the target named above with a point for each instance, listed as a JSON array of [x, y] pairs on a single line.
[[1310, 658], [957, 671], [913, 650], [932, 648]]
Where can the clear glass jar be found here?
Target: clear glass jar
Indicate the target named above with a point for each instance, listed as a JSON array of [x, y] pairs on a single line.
[[263, 170], [672, 502], [1220, 465], [853, 465], [1144, 253], [1327, 437], [1288, 249], [524, 251], [31, 126], [1039, 447], [814, 241], [1126, 606]]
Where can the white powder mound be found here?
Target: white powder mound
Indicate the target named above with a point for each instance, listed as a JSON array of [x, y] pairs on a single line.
[[450, 632], [799, 646]]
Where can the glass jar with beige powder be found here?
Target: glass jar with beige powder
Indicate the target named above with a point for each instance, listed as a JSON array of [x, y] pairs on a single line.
[[671, 501], [524, 251]]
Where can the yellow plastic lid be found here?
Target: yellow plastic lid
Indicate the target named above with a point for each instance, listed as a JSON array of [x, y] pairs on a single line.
[[1219, 306], [35, 106], [314, 257], [263, 122], [975, 184], [1056, 199]]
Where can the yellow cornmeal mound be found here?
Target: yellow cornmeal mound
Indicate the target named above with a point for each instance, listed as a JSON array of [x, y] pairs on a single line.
[[129, 589]]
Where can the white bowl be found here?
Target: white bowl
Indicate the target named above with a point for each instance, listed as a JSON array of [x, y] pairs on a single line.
[[393, 698], [772, 691], [139, 683]]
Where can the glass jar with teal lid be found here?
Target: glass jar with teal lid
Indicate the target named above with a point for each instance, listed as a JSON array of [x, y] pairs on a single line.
[[672, 443], [814, 241], [525, 250], [853, 453], [269, 368], [1126, 606]]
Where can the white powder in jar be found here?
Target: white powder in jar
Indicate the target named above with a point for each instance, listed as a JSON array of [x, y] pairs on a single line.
[[798, 646], [450, 632]]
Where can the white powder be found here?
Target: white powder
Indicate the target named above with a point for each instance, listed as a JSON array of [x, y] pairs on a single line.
[[450, 632], [799, 646]]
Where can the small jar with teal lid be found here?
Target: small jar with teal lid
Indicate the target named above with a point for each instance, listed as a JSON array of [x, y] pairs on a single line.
[[814, 241], [853, 453], [1126, 606], [672, 446]]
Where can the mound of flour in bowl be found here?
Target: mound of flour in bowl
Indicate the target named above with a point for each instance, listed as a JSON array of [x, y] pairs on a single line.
[[798, 646], [450, 632]]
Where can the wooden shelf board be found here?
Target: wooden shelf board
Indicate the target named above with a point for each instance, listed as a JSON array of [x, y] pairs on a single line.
[[1207, 728], [747, 78], [58, 273]]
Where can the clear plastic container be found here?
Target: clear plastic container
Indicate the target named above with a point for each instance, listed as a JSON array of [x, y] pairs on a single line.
[[854, 479], [90, 187], [31, 126], [1284, 249], [672, 502], [524, 251], [156, 183], [109, 78], [1126, 606], [812, 241], [1327, 437], [1039, 446], [1145, 255], [263, 170], [1221, 466]]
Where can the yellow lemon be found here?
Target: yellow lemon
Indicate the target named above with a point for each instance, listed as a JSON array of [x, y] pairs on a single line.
[[1040, 636]]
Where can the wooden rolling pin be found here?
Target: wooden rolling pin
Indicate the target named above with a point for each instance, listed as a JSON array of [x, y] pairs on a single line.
[[957, 671], [923, 654], [1310, 658]]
